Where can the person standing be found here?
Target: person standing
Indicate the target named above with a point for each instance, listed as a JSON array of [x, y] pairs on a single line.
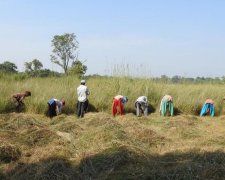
[[82, 93], [141, 105], [118, 104], [55, 107]]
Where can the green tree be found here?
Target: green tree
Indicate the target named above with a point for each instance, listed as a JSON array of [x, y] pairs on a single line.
[[33, 68], [64, 48], [28, 66], [78, 68], [37, 65], [164, 78], [8, 67]]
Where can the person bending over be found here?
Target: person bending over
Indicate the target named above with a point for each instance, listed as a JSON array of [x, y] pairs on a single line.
[[118, 104], [55, 107], [19, 97], [141, 106]]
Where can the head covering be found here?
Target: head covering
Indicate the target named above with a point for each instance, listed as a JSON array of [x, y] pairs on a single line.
[[145, 99], [168, 97], [209, 101], [125, 99], [82, 81]]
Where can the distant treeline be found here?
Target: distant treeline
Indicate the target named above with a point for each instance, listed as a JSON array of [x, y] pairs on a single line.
[[180, 79], [35, 69], [175, 79]]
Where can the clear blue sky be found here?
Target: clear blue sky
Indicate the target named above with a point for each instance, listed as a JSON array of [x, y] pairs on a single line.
[[160, 37]]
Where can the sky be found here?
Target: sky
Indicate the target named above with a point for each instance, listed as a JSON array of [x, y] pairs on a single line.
[[143, 37]]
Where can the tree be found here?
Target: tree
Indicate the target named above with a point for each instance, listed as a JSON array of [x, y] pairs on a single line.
[[164, 78], [176, 79], [8, 67], [78, 68], [37, 64], [33, 66], [28, 66], [64, 47]]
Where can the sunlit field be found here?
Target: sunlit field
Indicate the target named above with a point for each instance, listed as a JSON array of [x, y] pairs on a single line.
[[100, 146], [188, 98]]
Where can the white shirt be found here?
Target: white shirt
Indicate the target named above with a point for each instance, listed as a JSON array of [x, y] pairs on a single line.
[[142, 99], [59, 105], [82, 93]]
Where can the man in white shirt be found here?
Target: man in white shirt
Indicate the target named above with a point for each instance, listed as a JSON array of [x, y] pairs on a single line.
[[141, 105], [82, 93]]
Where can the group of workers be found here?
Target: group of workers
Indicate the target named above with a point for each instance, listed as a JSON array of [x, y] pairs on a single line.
[[55, 105], [141, 105], [119, 101]]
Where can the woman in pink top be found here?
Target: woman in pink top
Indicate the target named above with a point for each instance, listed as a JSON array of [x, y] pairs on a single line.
[[118, 103]]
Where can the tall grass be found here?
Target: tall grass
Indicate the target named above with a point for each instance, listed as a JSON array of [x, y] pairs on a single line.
[[188, 98]]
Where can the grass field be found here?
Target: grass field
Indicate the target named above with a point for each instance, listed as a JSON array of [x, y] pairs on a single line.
[[102, 147], [188, 98], [99, 146]]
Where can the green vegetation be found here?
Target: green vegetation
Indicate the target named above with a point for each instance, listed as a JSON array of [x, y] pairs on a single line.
[[188, 97], [8, 67], [64, 47]]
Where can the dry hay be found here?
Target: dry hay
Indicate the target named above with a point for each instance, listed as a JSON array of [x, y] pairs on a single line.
[[69, 127], [145, 135], [64, 135], [19, 122], [56, 168], [102, 165], [9, 152], [103, 120], [40, 137], [182, 122]]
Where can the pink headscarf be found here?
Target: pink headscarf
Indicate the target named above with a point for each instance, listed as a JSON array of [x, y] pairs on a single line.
[[209, 101]]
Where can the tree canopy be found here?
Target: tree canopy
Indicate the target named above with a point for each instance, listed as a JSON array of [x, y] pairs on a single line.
[[33, 66], [78, 68], [64, 48], [8, 67]]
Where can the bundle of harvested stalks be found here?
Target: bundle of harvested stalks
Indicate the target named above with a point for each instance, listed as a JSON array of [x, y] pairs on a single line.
[[9, 152]]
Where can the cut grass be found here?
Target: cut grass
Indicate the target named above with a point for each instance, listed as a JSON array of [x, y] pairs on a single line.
[[102, 147]]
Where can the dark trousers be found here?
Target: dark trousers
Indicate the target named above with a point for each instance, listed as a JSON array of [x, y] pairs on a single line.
[[52, 109], [82, 108]]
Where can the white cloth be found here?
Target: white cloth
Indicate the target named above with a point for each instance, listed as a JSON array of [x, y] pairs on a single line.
[[82, 93], [142, 99], [141, 105], [59, 106]]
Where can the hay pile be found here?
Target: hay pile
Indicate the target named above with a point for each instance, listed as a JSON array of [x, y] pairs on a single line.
[[102, 147]]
